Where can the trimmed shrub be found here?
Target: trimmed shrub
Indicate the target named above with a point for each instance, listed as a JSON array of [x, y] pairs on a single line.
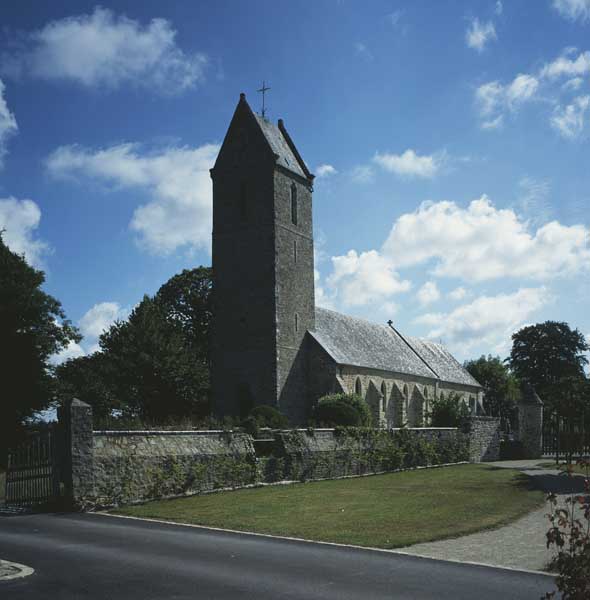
[[345, 410], [449, 412], [268, 416]]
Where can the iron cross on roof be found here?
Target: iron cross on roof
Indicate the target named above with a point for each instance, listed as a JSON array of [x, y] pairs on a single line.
[[263, 90]]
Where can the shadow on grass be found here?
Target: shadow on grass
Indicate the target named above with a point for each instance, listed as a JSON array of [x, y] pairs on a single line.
[[548, 482]]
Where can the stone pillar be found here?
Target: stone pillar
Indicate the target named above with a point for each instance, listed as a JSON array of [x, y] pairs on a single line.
[[530, 423], [79, 453]]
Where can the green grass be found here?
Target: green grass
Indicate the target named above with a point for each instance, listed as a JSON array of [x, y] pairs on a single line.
[[386, 511]]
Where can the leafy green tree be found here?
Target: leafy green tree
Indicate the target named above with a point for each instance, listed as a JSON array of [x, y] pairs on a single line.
[[154, 365], [501, 388], [546, 354], [33, 327]]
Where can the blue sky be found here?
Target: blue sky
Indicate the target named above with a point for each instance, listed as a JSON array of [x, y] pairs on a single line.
[[450, 140]]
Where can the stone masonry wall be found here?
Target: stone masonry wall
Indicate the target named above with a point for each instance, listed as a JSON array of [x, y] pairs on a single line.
[[132, 466], [484, 439]]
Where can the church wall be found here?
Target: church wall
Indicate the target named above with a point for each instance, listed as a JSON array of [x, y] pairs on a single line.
[[294, 289], [420, 390]]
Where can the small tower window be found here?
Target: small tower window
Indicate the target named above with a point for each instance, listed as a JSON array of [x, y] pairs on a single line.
[[243, 202], [294, 251], [296, 322], [293, 204]]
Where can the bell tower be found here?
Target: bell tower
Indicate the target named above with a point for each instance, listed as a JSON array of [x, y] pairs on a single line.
[[262, 269]]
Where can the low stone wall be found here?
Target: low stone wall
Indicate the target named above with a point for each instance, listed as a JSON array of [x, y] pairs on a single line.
[[484, 439], [132, 466], [107, 468]]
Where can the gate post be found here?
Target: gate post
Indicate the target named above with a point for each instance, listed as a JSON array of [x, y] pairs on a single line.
[[530, 422], [79, 453]]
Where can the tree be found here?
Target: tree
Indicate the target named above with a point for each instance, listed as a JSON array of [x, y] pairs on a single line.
[[546, 354], [347, 410], [33, 327], [501, 388], [154, 365]]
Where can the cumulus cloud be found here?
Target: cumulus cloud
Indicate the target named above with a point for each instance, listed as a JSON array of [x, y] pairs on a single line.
[[8, 126], [494, 99], [72, 350], [478, 34], [177, 178], [100, 317], [487, 320], [19, 219], [360, 279], [564, 66], [411, 165], [103, 49], [325, 171], [458, 293], [482, 242], [362, 174], [570, 120], [573, 10], [428, 293]]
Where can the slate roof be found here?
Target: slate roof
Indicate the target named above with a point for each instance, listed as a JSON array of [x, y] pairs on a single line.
[[442, 361], [356, 342], [278, 143]]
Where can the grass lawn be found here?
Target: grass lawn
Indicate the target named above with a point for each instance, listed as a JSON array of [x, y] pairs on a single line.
[[386, 511]]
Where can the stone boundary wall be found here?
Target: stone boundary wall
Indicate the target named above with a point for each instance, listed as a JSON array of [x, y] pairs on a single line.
[[484, 439], [108, 468]]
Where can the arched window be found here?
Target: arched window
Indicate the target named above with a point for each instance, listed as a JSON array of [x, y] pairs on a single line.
[[358, 388], [296, 322], [293, 204], [295, 251], [406, 399], [442, 396], [384, 392], [243, 202]]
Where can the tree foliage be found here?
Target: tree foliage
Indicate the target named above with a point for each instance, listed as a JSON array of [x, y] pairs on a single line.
[[501, 388], [546, 354], [33, 327], [155, 364]]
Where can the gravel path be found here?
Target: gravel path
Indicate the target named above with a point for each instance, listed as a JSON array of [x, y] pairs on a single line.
[[519, 545]]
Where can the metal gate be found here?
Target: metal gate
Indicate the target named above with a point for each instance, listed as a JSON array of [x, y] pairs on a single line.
[[566, 437], [32, 476]]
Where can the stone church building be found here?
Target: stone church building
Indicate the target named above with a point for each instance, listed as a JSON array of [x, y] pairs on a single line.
[[271, 344]]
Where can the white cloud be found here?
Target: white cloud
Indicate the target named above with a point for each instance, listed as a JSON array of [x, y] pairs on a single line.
[[72, 350], [481, 242], [494, 99], [499, 8], [19, 219], [100, 317], [479, 34], [496, 123], [360, 279], [572, 85], [563, 66], [488, 320], [177, 178], [574, 10], [569, 121], [325, 171], [534, 199], [362, 51], [102, 49], [362, 174], [409, 164], [428, 293], [8, 126], [458, 294]]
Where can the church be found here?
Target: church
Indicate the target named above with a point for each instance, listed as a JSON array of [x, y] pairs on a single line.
[[271, 344]]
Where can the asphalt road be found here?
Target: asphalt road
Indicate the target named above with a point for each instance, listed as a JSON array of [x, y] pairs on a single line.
[[94, 556]]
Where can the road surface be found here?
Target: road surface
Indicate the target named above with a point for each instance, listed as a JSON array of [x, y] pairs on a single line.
[[100, 557]]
